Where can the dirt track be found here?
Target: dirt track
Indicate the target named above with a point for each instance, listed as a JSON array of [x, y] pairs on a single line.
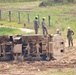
[[22, 29], [35, 67], [28, 68]]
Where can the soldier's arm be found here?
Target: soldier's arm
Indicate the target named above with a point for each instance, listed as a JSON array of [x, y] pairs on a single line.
[[37, 24], [67, 34], [44, 25], [72, 32]]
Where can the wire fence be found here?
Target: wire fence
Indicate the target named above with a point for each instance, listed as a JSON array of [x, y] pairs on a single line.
[[21, 16]]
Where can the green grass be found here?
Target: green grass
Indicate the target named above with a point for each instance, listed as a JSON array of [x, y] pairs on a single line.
[[9, 31], [62, 16], [11, 24], [65, 71], [17, 0]]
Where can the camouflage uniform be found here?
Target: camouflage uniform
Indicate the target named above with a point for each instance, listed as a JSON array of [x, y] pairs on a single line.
[[58, 32], [45, 31], [70, 33], [36, 26]]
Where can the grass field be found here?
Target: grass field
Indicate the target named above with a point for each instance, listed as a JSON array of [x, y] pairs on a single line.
[[9, 31], [6, 1], [57, 72], [62, 16]]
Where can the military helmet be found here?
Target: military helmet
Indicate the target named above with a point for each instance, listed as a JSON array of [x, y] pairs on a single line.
[[36, 17], [57, 30], [44, 18], [51, 34], [68, 27]]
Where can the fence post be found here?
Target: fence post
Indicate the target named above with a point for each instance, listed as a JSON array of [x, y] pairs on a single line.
[[28, 17], [49, 19], [0, 15], [9, 16], [38, 19], [19, 17]]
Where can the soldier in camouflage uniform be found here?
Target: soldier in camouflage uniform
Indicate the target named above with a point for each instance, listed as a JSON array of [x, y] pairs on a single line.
[[36, 25], [45, 31], [58, 32], [70, 33]]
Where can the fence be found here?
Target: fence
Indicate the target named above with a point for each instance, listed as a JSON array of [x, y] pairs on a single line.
[[21, 16]]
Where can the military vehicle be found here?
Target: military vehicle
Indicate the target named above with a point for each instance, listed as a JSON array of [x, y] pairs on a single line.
[[31, 47]]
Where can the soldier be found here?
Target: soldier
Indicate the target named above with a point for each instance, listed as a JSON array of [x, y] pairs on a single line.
[[70, 33], [11, 38], [58, 32], [36, 25], [45, 31]]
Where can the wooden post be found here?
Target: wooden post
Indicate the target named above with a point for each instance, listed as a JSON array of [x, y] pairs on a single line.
[[19, 17], [9, 16], [28, 17], [38, 19], [0, 15], [49, 19]]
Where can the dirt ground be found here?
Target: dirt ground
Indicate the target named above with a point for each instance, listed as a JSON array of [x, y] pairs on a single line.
[[38, 67]]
